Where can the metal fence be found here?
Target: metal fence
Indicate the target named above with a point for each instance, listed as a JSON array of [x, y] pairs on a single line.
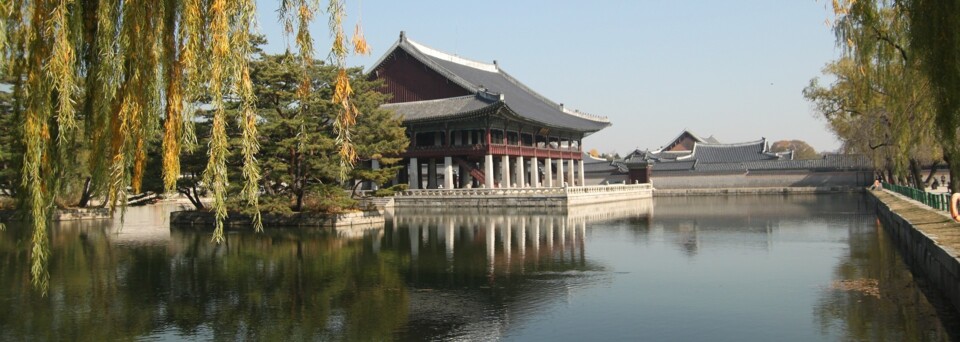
[[936, 201]]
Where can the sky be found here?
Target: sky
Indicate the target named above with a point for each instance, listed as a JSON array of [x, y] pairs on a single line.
[[731, 69]]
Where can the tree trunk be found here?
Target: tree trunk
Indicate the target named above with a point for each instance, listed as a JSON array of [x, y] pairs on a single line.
[[916, 174], [299, 205], [933, 173], [953, 162], [193, 195], [353, 192], [85, 196]]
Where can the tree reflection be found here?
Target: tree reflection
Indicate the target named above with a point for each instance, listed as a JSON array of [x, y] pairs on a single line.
[[277, 286], [900, 312]]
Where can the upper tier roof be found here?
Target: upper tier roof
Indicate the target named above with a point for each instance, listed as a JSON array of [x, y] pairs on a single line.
[[485, 80]]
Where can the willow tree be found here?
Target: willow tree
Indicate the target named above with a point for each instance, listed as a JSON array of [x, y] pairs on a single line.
[[134, 70], [886, 98], [935, 36]]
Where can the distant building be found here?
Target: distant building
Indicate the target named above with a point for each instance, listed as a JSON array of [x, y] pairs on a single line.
[[689, 152], [690, 162], [471, 124]]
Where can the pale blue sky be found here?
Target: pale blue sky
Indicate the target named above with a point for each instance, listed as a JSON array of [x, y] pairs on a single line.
[[733, 69]]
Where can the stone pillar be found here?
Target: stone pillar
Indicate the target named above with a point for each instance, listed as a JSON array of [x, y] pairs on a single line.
[[505, 171], [374, 165], [548, 173], [488, 171], [534, 172], [432, 173], [521, 179], [582, 176], [560, 172], [570, 178], [447, 173], [414, 174]]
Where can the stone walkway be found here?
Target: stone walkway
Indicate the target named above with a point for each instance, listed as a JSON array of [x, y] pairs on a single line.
[[934, 223]]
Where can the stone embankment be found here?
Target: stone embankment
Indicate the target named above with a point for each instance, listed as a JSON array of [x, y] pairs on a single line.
[[754, 191], [206, 219], [928, 239]]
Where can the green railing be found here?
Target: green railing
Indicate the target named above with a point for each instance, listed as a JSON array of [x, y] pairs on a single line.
[[936, 201]]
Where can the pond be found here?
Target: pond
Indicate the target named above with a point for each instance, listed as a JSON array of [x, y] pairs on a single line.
[[785, 268]]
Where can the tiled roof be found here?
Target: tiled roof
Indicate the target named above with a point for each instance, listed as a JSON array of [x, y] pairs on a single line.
[[835, 162], [424, 110], [725, 153], [674, 166], [482, 77]]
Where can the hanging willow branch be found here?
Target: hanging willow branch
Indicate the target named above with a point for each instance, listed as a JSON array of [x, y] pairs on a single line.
[[347, 112], [143, 62]]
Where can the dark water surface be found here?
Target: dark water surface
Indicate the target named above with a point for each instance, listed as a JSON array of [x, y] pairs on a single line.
[[757, 268]]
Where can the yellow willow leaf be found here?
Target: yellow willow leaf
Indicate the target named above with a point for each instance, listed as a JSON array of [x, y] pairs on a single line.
[[339, 44], [359, 42], [140, 160]]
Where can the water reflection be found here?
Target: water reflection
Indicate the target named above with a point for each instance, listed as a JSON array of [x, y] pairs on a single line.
[[476, 274], [279, 285], [896, 301], [754, 222], [709, 268]]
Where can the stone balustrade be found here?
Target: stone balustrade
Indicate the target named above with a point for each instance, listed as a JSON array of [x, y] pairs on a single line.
[[522, 197]]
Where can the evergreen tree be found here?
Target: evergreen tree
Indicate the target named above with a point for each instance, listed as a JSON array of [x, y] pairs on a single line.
[[299, 154]]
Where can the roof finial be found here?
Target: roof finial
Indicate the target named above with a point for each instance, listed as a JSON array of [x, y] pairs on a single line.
[[403, 35]]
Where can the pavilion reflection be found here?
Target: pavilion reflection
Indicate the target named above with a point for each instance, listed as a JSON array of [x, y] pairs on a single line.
[[512, 239]]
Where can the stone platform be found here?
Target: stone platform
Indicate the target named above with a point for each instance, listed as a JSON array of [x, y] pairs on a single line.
[[522, 197]]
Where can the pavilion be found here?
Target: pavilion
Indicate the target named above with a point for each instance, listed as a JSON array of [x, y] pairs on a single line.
[[472, 125]]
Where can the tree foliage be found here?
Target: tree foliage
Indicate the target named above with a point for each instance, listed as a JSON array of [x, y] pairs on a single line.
[[880, 103], [92, 80], [299, 136], [801, 149]]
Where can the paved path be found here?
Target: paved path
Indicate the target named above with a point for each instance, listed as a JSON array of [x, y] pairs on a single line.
[[935, 224]]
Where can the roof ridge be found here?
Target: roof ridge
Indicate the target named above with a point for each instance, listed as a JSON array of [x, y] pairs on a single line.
[[429, 51], [740, 144]]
